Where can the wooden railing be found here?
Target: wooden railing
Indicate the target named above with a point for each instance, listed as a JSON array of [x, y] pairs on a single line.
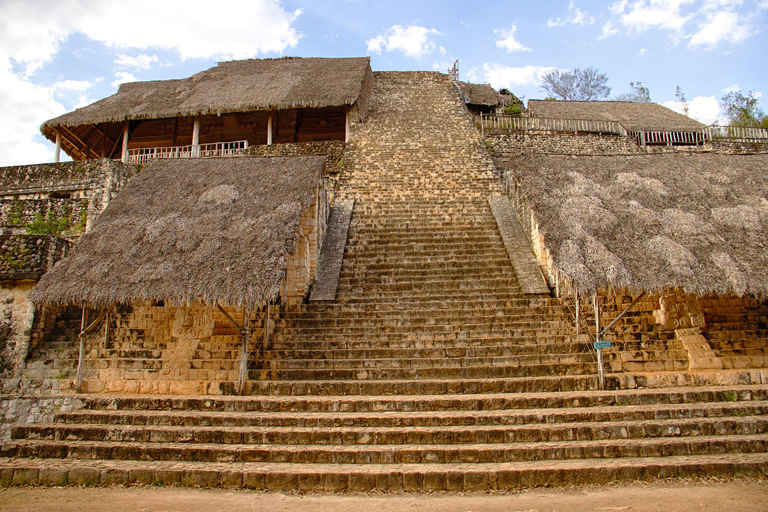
[[143, 155], [497, 122], [494, 122], [669, 138], [737, 132]]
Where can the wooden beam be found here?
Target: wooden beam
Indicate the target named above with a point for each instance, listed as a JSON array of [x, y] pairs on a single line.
[[270, 120], [83, 144], [114, 147]]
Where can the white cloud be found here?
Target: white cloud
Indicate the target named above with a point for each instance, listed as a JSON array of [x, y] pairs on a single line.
[[704, 23], [705, 109], [642, 15], [196, 31], [72, 85], [499, 75], [608, 30], [414, 41], [141, 61], [721, 26], [508, 41], [23, 108], [575, 17], [122, 77], [642, 51]]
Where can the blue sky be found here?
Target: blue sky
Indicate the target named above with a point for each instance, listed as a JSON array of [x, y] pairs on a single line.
[[59, 55]]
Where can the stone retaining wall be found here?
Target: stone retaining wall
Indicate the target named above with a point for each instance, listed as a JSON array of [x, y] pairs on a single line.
[[65, 196], [509, 144], [334, 149], [26, 410]]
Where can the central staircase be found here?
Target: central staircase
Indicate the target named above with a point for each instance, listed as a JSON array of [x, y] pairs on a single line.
[[431, 370]]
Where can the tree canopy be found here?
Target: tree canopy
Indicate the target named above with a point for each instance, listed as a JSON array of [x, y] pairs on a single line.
[[576, 85], [743, 110], [637, 93]]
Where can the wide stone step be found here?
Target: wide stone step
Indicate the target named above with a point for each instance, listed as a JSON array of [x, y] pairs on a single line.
[[392, 454], [370, 373], [447, 354], [383, 477], [392, 340], [414, 436], [293, 363], [422, 387], [545, 416], [404, 327], [727, 390]]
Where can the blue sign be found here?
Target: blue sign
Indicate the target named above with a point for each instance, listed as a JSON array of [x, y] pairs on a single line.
[[602, 344]]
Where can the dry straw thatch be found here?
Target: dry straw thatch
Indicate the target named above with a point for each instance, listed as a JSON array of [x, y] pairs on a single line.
[[219, 229], [479, 94], [236, 86], [653, 222], [633, 116]]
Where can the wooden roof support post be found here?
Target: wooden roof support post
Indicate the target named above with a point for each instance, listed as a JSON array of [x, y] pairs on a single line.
[[124, 154], [84, 329], [270, 122], [57, 152], [196, 138]]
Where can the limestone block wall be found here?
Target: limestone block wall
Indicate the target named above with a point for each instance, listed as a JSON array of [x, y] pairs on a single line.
[[302, 264], [334, 149], [17, 315], [66, 196], [742, 147], [158, 347], [510, 144]]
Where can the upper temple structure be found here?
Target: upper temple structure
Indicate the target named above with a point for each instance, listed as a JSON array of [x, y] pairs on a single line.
[[300, 274]]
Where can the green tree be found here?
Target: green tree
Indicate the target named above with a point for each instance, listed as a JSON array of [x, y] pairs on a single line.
[[577, 85], [637, 93], [680, 97], [742, 109]]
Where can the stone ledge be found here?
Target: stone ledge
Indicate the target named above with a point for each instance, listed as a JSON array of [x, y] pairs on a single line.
[[332, 253], [520, 253]]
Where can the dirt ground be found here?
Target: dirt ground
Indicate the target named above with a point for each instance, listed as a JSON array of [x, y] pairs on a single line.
[[678, 495]]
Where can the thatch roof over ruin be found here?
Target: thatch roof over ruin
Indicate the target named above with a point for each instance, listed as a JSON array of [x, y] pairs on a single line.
[[652, 222], [236, 86], [633, 116], [219, 229], [479, 94]]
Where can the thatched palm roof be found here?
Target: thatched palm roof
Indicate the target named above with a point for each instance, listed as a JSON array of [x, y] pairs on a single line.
[[210, 228], [652, 222], [479, 94], [634, 116], [256, 84]]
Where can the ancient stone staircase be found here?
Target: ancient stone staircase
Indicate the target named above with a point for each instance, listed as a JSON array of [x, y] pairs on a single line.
[[429, 371]]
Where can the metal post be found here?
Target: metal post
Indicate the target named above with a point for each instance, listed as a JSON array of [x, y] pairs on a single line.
[[246, 335], [600, 369], [578, 313], [81, 354], [266, 327]]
